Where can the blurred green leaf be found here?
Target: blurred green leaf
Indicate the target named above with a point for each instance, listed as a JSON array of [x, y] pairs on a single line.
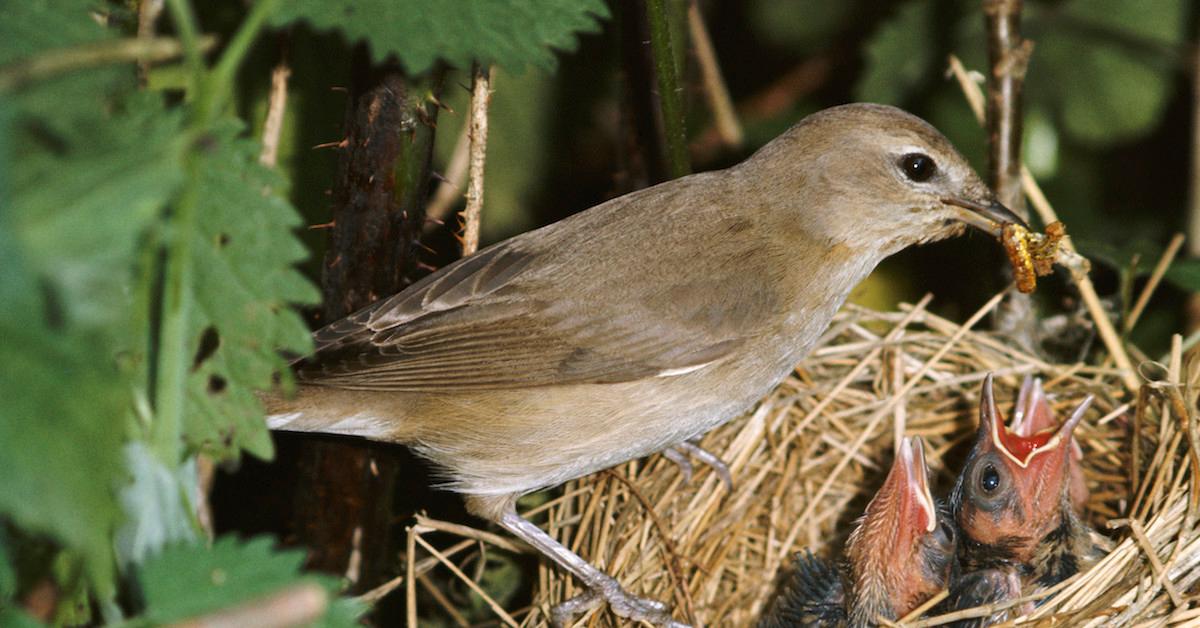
[[157, 511], [244, 257], [32, 26], [190, 580], [778, 24], [8, 577], [1104, 65], [897, 55], [510, 33], [1185, 274]]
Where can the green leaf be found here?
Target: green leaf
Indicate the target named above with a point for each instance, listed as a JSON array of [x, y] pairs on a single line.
[[32, 26], [8, 577], [61, 424], [511, 33], [1104, 65], [1185, 274], [244, 257], [190, 580], [157, 511], [898, 55]]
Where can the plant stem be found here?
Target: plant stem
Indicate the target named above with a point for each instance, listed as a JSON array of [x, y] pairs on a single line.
[[185, 24], [670, 103], [220, 80], [481, 95]]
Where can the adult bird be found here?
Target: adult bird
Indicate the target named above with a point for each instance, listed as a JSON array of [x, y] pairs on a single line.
[[637, 325], [1018, 528], [899, 555]]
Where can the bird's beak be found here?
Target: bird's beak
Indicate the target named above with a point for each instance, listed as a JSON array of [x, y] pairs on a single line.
[[989, 218], [906, 491]]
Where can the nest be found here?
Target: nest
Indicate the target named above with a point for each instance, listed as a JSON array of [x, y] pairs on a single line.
[[808, 458]]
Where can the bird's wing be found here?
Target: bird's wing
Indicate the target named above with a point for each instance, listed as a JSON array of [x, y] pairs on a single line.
[[488, 322], [810, 594]]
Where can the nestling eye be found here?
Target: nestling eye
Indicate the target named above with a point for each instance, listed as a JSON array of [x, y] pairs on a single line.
[[918, 166], [989, 479]]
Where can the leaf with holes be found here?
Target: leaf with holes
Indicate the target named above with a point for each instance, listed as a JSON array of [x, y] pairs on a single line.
[[244, 281], [510, 33]]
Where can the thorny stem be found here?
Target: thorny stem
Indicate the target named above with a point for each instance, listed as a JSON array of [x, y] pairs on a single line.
[[670, 103]]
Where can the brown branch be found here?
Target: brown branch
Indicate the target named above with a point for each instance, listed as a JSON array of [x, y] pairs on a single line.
[[148, 12], [453, 181], [481, 96], [276, 104], [1008, 56]]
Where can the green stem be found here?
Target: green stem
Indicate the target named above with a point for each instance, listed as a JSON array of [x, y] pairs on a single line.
[[220, 81], [668, 89], [185, 24], [175, 333]]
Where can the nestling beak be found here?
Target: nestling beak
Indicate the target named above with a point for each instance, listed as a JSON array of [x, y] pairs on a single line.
[[989, 218]]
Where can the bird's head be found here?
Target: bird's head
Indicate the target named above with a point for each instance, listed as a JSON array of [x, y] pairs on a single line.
[[1014, 488], [1032, 415], [900, 552], [875, 177]]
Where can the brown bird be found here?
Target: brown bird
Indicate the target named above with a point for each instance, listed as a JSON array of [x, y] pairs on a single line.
[[899, 555], [1033, 414], [1018, 529], [637, 325]]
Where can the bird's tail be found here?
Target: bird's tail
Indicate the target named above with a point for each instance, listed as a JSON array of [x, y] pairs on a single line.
[[338, 411]]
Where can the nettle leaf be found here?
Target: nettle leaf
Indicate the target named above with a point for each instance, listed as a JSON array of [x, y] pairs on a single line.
[[898, 55], [511, 33], [157, 511], [1101, 65], [32, 26], [244, 259], [186, 581], [61, 423]]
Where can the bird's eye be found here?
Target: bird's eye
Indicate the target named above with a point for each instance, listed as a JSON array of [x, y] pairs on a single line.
[[918, 166], [989, 479]]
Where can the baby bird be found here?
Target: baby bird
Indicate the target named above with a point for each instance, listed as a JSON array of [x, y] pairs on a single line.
[[1018, 528], [898, 556], [1033, 414]]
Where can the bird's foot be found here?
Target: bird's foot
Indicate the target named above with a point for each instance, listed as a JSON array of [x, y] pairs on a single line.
[[622, 603], [679, 455]]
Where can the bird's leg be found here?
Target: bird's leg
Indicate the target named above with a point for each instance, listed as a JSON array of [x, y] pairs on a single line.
[[680, 459], [600, 585], [679, 453]]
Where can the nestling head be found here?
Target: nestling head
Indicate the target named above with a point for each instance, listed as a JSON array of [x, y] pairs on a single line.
[[1014, 488], [900, 552], [875, 177]]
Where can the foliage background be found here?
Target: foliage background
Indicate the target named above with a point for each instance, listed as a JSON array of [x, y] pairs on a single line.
[[151, 270]]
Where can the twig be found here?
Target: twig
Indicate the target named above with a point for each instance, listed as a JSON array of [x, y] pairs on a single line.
[[496, 608], [298, 605], [276, 104], [471, 533], [1160, 269], [148, 12], [725, 119], [1041, 205], [1008, 56], [670, 102], [410, 578], [481, 95], [18, 73], [453, 181], [668, 545], [1160, 572]]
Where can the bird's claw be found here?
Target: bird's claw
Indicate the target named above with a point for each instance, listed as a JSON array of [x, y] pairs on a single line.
[[679, 455], [622, 603]]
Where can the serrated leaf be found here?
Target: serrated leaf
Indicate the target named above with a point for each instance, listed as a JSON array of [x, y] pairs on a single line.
[[61, 423], [190, 580], [244, 257], [157, 513], [898, 55], [511, 33]]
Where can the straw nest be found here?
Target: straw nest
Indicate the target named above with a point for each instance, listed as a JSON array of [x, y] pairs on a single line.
[[808, 458]]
